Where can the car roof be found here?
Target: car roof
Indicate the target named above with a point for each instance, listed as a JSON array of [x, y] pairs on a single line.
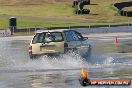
[[54, 30]]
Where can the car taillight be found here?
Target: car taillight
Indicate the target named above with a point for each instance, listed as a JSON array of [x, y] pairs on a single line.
[[65, 45], [30, 48]]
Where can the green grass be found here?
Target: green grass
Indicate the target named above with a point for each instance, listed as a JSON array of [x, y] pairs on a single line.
[[3, 23], [45, 10], [55, 24], [102, 13], [31, 23]]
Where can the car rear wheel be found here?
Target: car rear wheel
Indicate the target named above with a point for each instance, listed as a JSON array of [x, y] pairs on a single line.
[[31, 56]]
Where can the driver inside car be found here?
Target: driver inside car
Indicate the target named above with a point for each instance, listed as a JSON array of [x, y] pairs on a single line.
[[49, 37]]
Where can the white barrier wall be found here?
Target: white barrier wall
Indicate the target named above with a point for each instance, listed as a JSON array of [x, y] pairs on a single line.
[[5, 33]]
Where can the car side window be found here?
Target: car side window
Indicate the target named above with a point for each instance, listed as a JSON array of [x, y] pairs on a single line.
[[57, 36], [75, 37], [68, 36], [38, 38], [41, 38], [71, 36], [54, 36], [35, 39]]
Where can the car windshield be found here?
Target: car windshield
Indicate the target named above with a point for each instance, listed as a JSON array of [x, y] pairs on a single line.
[[48, 37]]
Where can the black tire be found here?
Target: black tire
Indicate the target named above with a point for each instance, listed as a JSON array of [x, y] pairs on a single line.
[[85, 11], [90, 49], [88, 54], [75, 3], [85, 82], [78, 11], [32, 56]]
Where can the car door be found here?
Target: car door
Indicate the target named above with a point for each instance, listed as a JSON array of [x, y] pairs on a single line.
[[84, 47], [46, 44], [84, 40], [72, 39], [54, 43]]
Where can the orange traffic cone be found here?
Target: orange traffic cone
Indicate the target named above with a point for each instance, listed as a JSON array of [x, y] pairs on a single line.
[[86, 74], [84, 80], [116, 41]]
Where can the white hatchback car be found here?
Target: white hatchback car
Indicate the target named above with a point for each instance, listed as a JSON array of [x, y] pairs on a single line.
[[59, 41]]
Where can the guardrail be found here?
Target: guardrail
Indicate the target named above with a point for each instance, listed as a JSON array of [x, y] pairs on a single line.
[[126, 27]]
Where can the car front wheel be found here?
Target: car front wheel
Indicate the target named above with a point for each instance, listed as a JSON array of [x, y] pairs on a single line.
[[88, 53]]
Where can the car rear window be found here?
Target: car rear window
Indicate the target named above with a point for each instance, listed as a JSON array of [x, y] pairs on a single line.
[[42, 37]]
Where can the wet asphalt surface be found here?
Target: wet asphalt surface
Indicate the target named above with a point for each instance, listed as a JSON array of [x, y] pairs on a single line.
[[107, 61]]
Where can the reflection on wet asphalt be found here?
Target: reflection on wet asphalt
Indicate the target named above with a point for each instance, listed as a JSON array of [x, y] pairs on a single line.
[[17, 70]]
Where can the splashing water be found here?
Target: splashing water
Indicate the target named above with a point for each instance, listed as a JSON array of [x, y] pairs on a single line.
[[64, 61], [108, 60]]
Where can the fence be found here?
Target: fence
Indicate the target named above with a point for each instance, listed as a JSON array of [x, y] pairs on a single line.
[[126, 27]]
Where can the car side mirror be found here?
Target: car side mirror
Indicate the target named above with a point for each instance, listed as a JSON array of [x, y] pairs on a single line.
[[85, 38]]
